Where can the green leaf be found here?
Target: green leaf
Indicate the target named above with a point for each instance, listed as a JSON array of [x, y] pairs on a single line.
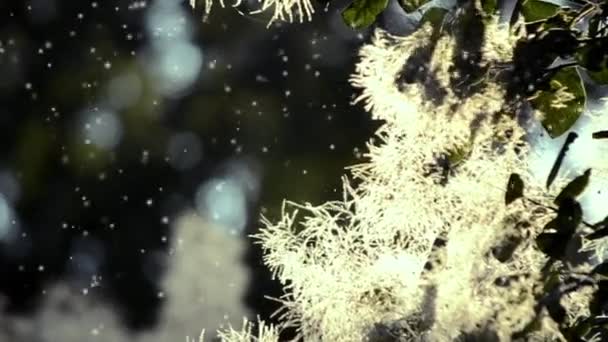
[[600, 135], [574, 188], [594, 24], [489, 6], [362, 13], [515, 188], [579, 329], [561, 20], [569, 216], [412, 5], [536, 10], [552, 244], [601, 230], [552, 281], [556, 311], [601, 269], [434, 16], [594, 58], [563, 104], [599, 299], [598, 234]]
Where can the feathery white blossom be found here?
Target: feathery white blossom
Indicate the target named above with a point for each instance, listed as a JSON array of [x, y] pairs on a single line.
[[282, 10], [350, 265]]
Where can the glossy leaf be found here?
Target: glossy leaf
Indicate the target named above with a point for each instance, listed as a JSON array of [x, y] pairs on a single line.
[[535, 10], [574, 188], [563, 103], [515, 188], [362, 13]]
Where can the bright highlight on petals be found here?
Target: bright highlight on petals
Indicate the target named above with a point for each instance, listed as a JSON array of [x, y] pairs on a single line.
[[283, 10]]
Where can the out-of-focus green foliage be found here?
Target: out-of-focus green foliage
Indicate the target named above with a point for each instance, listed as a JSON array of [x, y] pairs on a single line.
[[362, 13]]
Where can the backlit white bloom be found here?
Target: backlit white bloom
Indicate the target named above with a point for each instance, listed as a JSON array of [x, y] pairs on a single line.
[[333, 258], [282, 10]]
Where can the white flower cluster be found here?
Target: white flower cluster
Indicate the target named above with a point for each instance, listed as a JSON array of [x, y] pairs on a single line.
[[282, 10], [350, 266]]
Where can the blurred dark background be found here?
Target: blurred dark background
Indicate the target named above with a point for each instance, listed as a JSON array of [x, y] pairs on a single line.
[[119, 117]]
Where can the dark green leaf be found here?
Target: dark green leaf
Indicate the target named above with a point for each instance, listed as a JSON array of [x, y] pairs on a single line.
[[535, 10], [560, 113], [601, 230], [362, 13], [602, 224], [601, 321], [600, 135], [601, 269], [489, 6], [599, 299], [515, 188], [594, 58], [574, 188], [569, 216], [552, 244], [562, 19], [579, 329], [598, 234], [412, 5], [560, 158], [556, 311], [552, 282], [434, 16]]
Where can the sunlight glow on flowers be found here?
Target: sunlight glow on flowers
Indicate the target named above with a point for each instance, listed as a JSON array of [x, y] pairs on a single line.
[[328, 255], [282, 10]]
